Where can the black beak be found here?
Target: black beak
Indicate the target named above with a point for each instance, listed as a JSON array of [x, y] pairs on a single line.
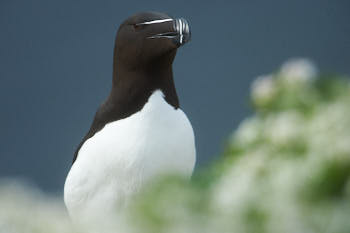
[[180, 32]]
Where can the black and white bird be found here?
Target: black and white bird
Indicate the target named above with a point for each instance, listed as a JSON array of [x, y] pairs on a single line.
[[139, 132]]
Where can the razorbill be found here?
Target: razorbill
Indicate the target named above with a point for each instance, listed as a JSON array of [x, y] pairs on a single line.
[[139, 132]]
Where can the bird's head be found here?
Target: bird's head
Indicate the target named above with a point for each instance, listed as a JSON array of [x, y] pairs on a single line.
[[150, 38]]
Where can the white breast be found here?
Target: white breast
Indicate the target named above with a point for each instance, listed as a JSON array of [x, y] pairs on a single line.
[[118, 160]]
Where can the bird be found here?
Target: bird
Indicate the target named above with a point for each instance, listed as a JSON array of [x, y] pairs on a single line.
[[139, 132]]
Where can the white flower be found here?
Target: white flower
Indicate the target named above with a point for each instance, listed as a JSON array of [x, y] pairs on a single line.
[[263, 89], [248, 131], [298, 70], [330, 126], [235, 188], [24, 209], [283, 128]]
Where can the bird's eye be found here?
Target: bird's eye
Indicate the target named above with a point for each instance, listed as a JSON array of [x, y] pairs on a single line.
[[138, 26]]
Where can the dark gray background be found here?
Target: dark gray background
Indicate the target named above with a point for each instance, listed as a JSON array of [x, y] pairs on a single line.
[[56, 68]]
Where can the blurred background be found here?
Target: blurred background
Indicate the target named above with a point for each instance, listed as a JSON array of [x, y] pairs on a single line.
[[56, 68]]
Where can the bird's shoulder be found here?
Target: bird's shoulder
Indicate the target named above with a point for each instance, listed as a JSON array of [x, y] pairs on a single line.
[[102, 117]]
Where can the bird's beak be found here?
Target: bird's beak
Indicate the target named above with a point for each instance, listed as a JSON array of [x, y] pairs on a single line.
[[178, 31]]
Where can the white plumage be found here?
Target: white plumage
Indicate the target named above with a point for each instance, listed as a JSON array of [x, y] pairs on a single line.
[[118, 160]]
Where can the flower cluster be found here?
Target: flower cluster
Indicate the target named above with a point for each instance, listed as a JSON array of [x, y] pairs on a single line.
[[291, 163]]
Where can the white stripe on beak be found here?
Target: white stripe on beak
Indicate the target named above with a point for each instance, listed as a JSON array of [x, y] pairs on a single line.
[[181, 31], [155, 21]]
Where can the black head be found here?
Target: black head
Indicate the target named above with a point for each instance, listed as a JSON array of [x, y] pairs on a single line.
[[148, 38]]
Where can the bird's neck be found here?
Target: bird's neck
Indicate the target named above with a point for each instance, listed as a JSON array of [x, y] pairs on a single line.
[[138, 84]]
